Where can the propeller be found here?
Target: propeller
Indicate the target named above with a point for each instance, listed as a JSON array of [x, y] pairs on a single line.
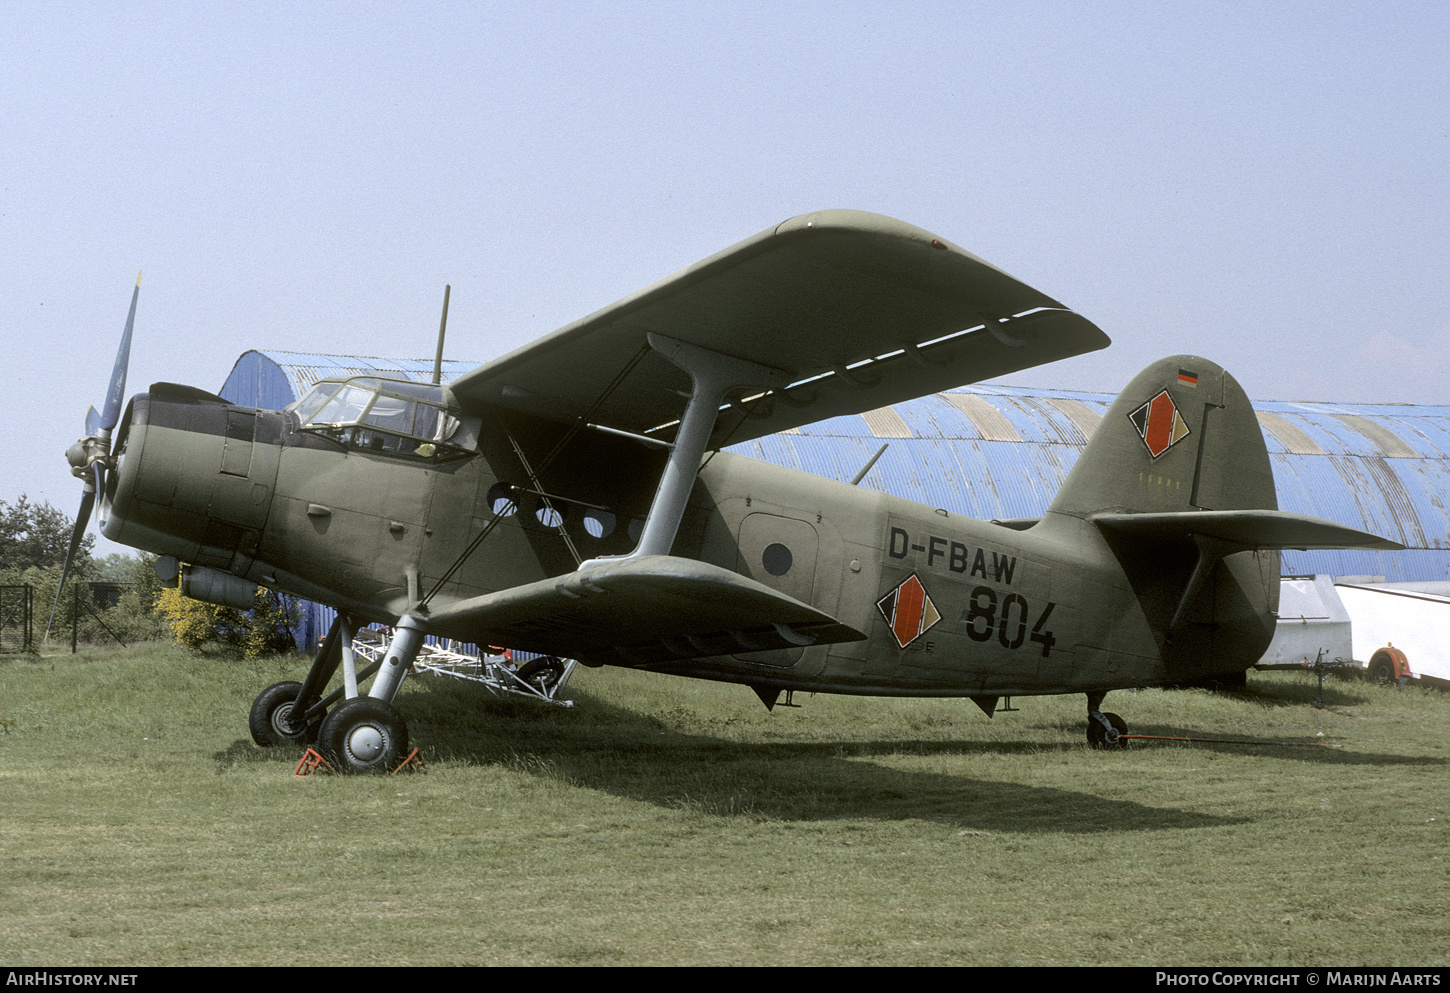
[[90, 457]]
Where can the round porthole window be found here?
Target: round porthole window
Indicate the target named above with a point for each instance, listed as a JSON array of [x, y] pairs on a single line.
[[599, 523], [501, 500], [549, 516], [776, 559]]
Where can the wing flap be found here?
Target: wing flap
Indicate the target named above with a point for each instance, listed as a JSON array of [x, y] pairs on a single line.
[[854, 310], [638, 611]]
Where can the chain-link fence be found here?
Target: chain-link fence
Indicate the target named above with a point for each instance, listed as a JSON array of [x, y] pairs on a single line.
[[17, 618]]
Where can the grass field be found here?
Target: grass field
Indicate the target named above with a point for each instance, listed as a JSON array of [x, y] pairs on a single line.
[[666, 821]]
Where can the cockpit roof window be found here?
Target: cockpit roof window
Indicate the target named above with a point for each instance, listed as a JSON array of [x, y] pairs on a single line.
[[386, 416]]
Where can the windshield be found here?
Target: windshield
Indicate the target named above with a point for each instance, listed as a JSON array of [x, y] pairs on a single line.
[[383, 415]]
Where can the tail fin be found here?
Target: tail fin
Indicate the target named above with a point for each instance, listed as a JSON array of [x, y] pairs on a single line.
[[1178, 482], [1181, 437]]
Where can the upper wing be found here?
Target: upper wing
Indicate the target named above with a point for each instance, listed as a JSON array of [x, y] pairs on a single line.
[[853, 310]]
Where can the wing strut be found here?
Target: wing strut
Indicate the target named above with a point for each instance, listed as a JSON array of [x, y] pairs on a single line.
[[539, 488], [548, 460], [713, 375]]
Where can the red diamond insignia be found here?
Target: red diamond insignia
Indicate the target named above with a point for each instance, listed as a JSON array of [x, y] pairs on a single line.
[[909, 611], [1159, 424]]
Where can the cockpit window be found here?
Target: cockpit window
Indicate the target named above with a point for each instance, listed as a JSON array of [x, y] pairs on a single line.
[[385, 415], [345, 408], [315, 398]]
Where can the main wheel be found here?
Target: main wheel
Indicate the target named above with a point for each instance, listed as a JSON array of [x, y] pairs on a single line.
[[271, 718], [363, 735], [1100, 737], [541, 673]]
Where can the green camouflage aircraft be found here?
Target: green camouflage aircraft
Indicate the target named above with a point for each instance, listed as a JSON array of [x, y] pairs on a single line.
[[571, 498]]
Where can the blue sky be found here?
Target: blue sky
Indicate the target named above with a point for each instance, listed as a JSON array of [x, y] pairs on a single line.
[[1267, 185]]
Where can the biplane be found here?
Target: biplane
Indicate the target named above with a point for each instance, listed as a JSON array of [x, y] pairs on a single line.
[[573, 498]]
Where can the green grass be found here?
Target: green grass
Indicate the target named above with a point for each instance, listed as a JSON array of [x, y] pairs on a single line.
[[668, 821]]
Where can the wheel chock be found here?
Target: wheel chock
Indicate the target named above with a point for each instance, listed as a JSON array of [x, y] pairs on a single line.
[[311, 762], [414, 760]]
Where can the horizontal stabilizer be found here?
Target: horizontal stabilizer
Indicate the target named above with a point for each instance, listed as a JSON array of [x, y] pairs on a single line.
[[1246, 528], [655, 608]]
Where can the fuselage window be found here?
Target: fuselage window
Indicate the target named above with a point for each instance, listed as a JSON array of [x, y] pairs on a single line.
[[777, 559], [501, 499], [599, 523]]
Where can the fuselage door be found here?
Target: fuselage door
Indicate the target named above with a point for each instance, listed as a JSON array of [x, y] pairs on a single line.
[[779, 552]]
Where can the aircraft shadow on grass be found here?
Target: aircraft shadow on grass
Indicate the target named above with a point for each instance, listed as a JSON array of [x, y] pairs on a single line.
[[639, 757]]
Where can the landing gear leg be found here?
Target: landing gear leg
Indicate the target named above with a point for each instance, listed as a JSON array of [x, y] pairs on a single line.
[[366, 733], [1104, 730], [407, 639], [282, 713]]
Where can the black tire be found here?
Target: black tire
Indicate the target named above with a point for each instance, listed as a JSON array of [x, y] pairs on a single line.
[[363, 735], [541, 673], [1381, 670], [1098, 736], [270, 719]]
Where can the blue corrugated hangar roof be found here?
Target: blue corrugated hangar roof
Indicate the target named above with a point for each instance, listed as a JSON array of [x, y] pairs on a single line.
[[1002, 452]]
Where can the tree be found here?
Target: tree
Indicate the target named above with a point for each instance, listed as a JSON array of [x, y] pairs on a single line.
[[38, 535], [118, 567]]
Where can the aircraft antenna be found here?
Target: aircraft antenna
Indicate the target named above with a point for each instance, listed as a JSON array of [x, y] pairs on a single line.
[[872, 461], [442, 327]]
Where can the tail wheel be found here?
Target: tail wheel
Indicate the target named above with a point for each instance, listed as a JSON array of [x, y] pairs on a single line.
[[1102, 737], [363, 735], [271, 721]]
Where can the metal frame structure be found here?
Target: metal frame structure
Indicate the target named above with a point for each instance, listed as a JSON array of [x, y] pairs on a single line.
[[493, 672]]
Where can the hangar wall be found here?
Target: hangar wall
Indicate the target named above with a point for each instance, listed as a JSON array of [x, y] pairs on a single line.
[[1002, 452]]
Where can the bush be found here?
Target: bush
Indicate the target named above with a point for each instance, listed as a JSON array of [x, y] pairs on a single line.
[[266, 629]]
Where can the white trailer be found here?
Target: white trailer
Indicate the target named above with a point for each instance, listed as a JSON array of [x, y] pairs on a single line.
[[1400, 629], [1313, 625]]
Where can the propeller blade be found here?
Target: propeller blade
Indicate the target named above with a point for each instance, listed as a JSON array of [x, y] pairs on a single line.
[[87, 499], [100, 501], [97, 425], [116, 395]]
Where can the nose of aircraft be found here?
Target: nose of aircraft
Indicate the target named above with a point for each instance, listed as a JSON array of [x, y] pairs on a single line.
[[192, 480]]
